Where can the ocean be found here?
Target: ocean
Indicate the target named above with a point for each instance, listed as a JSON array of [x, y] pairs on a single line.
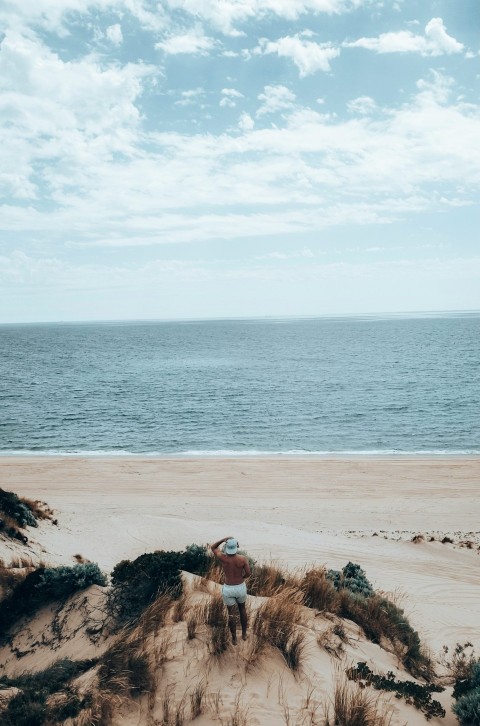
[[363, 385]]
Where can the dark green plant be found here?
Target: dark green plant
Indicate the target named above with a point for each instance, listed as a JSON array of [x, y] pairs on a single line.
[[46, 585], [13, 507], [467, 691], [467, 708], [413, 693], [29, 707], [137, 583], [196, 559], [352, 578]]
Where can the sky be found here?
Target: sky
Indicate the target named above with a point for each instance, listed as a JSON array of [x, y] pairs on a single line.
[[234, 158]]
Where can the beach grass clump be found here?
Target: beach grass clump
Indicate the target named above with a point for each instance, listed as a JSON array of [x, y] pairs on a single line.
[[413, 693], [125, 668], [319, 591], [33, 705], [276, 624], [46, 585], [214, 614], [267, 580], [354, 706]]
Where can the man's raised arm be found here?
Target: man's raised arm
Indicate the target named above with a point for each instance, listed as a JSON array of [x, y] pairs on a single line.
[[215, 546]]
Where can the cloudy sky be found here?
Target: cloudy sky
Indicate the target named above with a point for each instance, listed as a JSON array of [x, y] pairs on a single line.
[[217, 158]]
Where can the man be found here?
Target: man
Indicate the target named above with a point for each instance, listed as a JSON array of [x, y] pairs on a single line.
[[234, 591]]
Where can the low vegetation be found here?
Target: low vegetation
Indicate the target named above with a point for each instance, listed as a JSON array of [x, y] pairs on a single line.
[[465, 668], [17, 513], [354, 706], [276, 623], [32, 706], [414, 693], [45, 585], [137, 583]]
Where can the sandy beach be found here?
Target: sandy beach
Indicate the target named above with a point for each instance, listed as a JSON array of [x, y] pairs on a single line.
[[297, 511]]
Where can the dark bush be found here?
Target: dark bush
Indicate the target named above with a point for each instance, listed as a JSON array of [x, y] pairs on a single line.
[[414, 693], [29, 707], [467, 708], [467, 692], [46, 585], [136, 583], [196, 559], [19, 511]]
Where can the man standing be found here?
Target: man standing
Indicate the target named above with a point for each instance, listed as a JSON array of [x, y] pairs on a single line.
[[234, 591]]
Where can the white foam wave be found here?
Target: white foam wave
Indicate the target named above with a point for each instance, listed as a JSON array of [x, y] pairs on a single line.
[[234, 453]]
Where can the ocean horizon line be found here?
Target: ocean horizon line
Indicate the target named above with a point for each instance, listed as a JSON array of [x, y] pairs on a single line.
[[386, 315]]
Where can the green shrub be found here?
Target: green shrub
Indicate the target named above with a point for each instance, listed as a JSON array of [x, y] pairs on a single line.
[[352, 578], [136, 583], [196, 559], [469, 682], [46, 585], [13, 507], [467, 708]]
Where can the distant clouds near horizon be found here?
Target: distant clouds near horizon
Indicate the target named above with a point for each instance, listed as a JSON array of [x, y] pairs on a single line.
[[192, 158]]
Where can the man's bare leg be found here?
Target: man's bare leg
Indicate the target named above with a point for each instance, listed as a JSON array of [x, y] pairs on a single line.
[[232, 623], [243, 619]]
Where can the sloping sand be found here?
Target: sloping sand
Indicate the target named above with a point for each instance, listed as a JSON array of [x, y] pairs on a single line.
[[296, 511]]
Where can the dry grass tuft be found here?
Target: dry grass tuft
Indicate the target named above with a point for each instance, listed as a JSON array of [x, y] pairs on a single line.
[[126, 668], [155, 615], [179, 608], [240, 714], [197, 699], [318, 591], [353, 706], [276, 623], [269, 580]]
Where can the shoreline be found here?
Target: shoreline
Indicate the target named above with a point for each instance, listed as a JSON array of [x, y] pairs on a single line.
[[267, 456]]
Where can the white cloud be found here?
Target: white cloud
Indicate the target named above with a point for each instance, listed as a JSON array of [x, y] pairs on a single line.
[[190, 97], [246, 122], [436, 41], [194, 42], [61, 116], [54, 15], [362, 105], [274, 99], [309, 57], [224, 14], [114, 34], [229, 97]]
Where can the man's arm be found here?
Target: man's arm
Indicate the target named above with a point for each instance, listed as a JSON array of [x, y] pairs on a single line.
[[215, 546], [246, 568]]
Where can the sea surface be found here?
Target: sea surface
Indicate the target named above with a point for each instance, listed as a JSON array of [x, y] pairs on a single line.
[[378, 385]]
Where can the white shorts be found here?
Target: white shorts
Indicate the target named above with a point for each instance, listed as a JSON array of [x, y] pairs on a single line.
[[234, 594]]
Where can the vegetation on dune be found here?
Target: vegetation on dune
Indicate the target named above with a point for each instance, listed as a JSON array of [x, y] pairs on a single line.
[[350, 595], [31, 707], [16, 513], [46, 585], [465, 669], [413, 693]]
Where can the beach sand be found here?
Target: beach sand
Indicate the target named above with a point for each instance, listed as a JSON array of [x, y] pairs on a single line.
[[297, 511]]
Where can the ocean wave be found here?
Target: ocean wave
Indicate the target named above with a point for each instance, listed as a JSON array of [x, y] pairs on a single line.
[[236, 453]]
